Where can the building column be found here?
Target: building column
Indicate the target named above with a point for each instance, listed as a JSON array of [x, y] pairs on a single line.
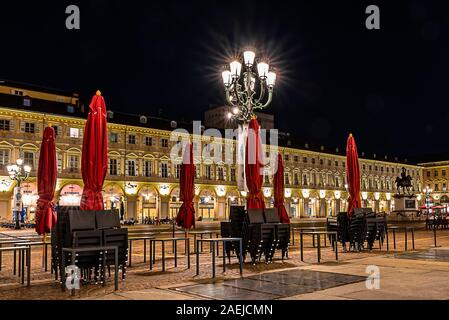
[[221, 210], [288, 203], [131, 207], [337, 207], [388, 208], [322, 212], [305, 213], [376, 206], [196, 204], [164, 207]]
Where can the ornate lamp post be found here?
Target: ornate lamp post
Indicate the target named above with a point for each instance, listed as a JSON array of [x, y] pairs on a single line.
[[427, 191], [20, 173], [248, 92], [245, 93]]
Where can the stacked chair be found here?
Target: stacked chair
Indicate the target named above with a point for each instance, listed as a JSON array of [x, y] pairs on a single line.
[[261, 236], [77, 229], [340, 224], [281, 232]]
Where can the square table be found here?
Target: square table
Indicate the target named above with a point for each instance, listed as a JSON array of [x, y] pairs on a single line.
[[174, 241], [406, 230], [212, 243], [101, 249], [22, 251], [318, 234]]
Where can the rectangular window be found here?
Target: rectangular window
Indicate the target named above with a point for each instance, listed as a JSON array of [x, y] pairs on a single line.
[[57, 130], [321, 162], [30, 127], [132, 168], [70, 109], [436, 187], [220, 174], [208, 172], [4, 157], [5, 125], [73, 163], [444, 187], [329, 163], [148, 141], [113, 167], [147, 168], [435, 173], [336, 163], [296, 177], [443, 172], [113, 137], [164, 143], [428, 174], [233, 174], [286, 157], [131, 139], [286, 179], [304, 159], [296, 158], [164, 170], [313, 160], [28, 158], [74, 132]]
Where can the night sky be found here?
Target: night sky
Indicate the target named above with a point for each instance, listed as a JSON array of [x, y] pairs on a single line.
[[389, 87]]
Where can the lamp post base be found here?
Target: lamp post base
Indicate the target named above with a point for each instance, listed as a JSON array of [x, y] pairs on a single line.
[[17, 215]]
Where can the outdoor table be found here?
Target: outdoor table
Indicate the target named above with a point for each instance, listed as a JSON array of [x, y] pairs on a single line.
[[28, 243], [22, 251], [175, 250], [406, 229], [31, 244], [318, 234], [103, 250], [201, 233], [212, 242], [148, 236], [309, 229]]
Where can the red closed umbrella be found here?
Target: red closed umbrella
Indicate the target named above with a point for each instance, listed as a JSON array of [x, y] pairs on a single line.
[[278, 186], [186, 214], [46, 183], [253, 159], [352, 175], [94, 163]]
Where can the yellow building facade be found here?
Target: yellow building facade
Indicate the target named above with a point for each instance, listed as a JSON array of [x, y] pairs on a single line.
[[143, 176]]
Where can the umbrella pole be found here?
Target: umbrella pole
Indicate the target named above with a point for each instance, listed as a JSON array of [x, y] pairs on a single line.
[[44, 256]]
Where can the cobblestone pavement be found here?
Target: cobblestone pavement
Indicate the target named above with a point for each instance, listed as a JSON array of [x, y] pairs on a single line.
[[139, 278]]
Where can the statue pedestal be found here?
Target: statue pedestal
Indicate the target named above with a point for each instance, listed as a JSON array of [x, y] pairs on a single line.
[[405, 208]]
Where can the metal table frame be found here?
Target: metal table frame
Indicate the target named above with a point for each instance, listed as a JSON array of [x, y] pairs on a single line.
[[212, 242], [308, 229], [103, 250], [25, 258], [201, 233], [175, 250], [406, 230], [140, 238], [318, 234]]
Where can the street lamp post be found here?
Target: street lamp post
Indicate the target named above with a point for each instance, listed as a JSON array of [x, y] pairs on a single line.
[[245, 93], [20, 173], [242, 92], [427, 192]]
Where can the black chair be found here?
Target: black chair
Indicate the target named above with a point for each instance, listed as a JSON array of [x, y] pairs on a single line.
[[108, 219], [357, 229], [89, 261], [261, 236], [118, 238], [282, 231]]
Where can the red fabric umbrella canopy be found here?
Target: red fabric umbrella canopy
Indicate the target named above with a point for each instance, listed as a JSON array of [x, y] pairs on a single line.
[[352, 175], [46, 183], [278, 186], [253, 165], [94, 163], [186, 214]]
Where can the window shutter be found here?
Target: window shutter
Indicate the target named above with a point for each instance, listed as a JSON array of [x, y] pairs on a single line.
[[224, 174], [37, 128], [12, 124], [168, 170], [81, 132], [160, 170], [126, 168], [22, 126], [137, 162], [119, 167]]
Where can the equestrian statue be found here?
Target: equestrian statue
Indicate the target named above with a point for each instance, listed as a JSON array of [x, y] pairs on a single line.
[[404, 182]]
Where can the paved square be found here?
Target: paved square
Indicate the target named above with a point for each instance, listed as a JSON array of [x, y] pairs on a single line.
[[273, 285]]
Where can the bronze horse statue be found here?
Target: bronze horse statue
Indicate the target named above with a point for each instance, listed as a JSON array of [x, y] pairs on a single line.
[[404, 182]]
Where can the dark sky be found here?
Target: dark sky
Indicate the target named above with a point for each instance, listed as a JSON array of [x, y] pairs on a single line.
[[390, 87]]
